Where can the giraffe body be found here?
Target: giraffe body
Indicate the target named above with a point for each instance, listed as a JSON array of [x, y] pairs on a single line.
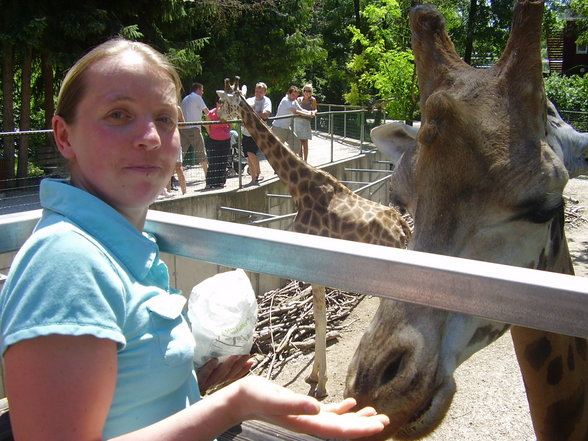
[[325, 206], [482, 182]]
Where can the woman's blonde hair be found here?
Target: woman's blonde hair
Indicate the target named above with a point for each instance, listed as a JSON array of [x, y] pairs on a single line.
[[73, 86]]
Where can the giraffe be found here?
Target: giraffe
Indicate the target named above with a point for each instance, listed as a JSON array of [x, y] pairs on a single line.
[[482, 182], [325, 206]]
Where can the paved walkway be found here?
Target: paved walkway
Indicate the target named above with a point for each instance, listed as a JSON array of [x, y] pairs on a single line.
[[24, 199], [319, 153]]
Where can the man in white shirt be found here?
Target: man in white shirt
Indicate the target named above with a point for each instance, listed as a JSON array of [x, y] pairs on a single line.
[[282, 127], [261, 105], [193, 106]]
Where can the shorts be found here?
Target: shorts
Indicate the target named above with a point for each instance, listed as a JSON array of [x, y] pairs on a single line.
[[249, 145], [193, 136], [288, 136]]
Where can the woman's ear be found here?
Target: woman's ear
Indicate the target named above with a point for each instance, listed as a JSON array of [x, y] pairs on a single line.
[[61, 134]]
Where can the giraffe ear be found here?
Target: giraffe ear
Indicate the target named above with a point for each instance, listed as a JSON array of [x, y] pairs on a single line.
[[393, 139], [221, 94], [244, 90]]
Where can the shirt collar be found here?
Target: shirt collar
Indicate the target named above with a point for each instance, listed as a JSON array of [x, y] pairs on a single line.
[[136, 251]]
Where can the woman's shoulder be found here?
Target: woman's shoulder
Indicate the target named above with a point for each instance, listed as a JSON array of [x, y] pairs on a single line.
[[56, 237]]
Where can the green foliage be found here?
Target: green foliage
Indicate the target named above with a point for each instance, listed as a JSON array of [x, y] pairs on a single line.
[[271, 41], [187, 59], [131, 33], [580, 9], [383, 68], [568, 93], [34, 171]]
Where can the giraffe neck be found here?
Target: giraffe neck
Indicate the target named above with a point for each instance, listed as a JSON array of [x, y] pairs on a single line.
[[289, 166], [554, 366]]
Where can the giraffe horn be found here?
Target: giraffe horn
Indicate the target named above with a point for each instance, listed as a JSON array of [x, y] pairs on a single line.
[[237, 80], [227, 85]]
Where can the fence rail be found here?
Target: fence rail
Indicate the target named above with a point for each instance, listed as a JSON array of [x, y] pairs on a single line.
[[536, 299], [19, 194]]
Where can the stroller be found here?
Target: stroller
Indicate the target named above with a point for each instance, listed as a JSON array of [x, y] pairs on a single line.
[[234, 158]]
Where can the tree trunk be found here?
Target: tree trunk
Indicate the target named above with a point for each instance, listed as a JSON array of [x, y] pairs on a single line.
[[469, 43], [8, 111], [47, 74], [357, 13], [48, 156], [25, 113]]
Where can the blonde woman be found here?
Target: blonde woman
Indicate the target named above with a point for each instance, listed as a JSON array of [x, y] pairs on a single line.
[[302, 123], [93, 339]]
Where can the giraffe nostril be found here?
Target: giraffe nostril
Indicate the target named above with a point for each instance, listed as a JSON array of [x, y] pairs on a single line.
[[392, 369]]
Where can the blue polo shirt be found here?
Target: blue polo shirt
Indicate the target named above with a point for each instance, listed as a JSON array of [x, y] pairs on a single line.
[[86, 270]]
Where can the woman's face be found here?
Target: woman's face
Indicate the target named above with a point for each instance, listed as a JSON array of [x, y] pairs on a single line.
[[124, 143]]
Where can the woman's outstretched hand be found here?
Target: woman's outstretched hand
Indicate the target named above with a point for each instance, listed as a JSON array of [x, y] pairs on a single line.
[[263, 400]]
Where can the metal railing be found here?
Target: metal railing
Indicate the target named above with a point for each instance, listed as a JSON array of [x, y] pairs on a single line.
[[258, 218], [531, 298], [20, 194]]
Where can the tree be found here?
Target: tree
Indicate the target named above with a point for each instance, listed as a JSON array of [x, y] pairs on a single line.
[[269, 41], [579, 9], [384, 68]]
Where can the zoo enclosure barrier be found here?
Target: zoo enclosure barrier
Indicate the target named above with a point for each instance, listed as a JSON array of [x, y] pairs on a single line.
[[21, 194], [531, 298]]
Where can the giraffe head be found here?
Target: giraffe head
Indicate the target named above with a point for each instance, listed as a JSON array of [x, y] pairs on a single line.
[[481, 182], [231, 98]]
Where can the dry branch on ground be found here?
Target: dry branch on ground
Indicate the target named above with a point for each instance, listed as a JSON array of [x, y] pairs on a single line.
[[285, 328]]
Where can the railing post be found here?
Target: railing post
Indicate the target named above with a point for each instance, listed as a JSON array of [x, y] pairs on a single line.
[[332, 135], [361, 130], [240, 153], [344, 122]]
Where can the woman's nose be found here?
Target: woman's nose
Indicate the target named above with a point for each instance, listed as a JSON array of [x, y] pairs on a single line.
[[148, 138]]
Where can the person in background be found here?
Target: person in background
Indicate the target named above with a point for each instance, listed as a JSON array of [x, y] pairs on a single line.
[[282, 127], [262, 105], [193, 106], [302, 128], [179, 171], [218, 150], [94, 342]]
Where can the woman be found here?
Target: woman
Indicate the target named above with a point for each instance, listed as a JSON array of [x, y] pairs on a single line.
[[218, 150], [302, 123], [94, 342]]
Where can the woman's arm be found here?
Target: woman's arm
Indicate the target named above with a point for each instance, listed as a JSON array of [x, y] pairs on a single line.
[[256, 398], [299, 110], [65, 385], [60, 387]]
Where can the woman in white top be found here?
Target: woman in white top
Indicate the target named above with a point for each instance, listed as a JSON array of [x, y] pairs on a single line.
[[302, 127]]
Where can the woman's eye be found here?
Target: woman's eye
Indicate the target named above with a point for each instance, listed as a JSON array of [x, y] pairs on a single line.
[[167, 121], [117, 115]]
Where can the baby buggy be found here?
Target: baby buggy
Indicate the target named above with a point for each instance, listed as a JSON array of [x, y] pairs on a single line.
[[235, 158]]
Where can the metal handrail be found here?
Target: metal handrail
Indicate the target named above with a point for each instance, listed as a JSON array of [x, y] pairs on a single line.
[[531, 298]]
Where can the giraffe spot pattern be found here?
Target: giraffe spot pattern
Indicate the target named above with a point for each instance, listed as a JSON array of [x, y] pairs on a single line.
[[555, 371], [571, 358], [581, 347], [538, 352], [488, 333], [563, 415]]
